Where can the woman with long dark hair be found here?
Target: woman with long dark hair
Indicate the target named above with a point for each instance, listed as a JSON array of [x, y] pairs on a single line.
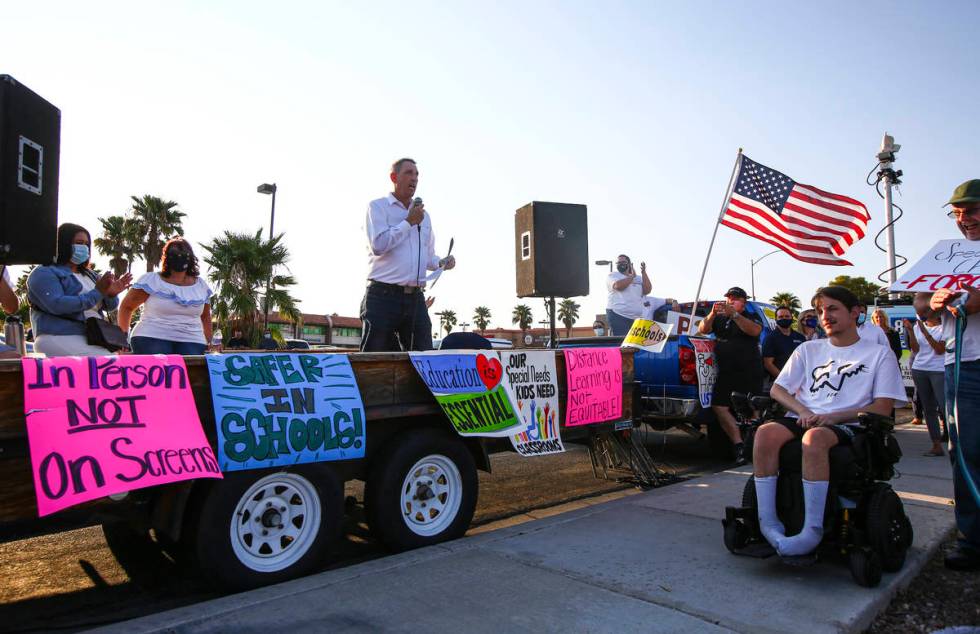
[[64, 294], [176, 310]]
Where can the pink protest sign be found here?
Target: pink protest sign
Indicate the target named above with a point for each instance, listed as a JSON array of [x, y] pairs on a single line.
[[104, 425], [595, 385]]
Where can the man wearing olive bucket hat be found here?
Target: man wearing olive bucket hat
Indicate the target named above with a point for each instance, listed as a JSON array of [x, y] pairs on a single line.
[[963, 397]]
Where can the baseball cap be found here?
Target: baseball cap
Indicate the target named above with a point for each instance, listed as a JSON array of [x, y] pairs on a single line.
[[968, 192], [735, 291]]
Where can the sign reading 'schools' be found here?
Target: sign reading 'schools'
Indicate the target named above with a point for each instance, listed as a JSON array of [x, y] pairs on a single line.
[[649, 335], [99, 426], [283, 409], [468, 387]]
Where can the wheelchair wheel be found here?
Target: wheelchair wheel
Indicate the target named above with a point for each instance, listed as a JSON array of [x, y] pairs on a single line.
[[888, 528], [865, 567]]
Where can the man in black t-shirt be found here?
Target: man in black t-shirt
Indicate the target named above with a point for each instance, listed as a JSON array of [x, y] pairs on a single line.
[[780, 343], [737, 355]]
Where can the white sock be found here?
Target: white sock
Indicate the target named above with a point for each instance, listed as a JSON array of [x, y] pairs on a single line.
[[815, 498], [765, 496]]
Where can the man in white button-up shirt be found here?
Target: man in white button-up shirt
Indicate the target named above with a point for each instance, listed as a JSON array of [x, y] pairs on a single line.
[[402, 249]]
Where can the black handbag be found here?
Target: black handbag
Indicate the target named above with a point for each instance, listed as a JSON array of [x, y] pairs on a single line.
[[105, 334]]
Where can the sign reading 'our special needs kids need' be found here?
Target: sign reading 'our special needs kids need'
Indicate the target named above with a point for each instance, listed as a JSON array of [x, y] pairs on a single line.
[[531, 379], [100, 426], [468, 386], [948, 264], [649, 335], [283, 409], [595, 385]]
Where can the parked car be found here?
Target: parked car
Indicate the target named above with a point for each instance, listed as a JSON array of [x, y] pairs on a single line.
[[297, 344]]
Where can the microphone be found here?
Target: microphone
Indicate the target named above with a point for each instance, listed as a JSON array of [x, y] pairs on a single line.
[[418, 203]]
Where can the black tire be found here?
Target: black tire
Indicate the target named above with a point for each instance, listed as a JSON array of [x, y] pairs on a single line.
[[401, 528], [888, 528], [865, 567], [223, 545]]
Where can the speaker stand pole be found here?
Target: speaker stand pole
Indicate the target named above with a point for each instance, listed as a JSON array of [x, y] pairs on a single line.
[[551, 315], [721, 214]]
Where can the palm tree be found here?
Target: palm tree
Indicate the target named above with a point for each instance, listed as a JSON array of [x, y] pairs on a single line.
[[447, 319], [788, 300], [522, 316], [240, 264], [155, 221], [119, 242], [20, 290], [568, 313], [481, 317]]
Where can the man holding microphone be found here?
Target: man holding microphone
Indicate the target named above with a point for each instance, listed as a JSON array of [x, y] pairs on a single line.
[[402, 248]]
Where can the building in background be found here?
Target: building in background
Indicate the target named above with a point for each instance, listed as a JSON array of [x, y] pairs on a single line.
[[539, 336], [324, 330]]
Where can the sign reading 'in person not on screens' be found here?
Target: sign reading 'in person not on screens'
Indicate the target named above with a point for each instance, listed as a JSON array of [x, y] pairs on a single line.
[[100, 426]]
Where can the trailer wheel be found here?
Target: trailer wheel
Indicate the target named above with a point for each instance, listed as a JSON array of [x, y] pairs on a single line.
[[421, 489], [254, 528]]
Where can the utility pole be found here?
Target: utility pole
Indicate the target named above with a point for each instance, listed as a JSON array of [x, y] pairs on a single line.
[[890, 177]]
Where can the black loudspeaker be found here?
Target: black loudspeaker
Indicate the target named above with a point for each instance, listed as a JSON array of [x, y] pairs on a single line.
[[552, 250], [30, 141]]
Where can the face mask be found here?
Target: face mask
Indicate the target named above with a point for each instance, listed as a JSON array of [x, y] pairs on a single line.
[[179, 262], [810, 322], [622, 267], [600, 332], [862, 319], [267, 336], [784, 323], [79, 253]]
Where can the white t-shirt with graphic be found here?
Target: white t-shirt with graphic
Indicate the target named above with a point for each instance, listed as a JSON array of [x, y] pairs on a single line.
[[629, 301], [826, 378]]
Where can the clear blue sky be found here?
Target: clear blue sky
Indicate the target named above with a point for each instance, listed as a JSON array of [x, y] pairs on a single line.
[[635, 109]]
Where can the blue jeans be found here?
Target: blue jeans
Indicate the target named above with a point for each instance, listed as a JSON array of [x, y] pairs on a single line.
[[394, 320], [968, 432], [151, 345], [618, 325]]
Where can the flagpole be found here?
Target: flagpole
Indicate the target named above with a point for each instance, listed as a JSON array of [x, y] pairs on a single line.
[[721, 214]]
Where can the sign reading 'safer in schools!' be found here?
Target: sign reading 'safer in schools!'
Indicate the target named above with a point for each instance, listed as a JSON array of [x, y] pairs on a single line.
[[948, 264]]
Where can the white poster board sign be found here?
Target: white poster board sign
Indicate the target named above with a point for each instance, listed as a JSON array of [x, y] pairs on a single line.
[[681, 322], [649, 335], [947, 264], [704, 354]]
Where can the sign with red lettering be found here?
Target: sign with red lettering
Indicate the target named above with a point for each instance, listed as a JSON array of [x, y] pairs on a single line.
[[595, 385], [948, 264], [98, 426]]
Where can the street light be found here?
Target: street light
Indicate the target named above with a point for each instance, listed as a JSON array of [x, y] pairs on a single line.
[[604, 263], [463, 325], [266, 188], [752, 267]]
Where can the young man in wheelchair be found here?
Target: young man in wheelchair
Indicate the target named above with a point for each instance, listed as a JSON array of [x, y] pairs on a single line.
[[824, 386]]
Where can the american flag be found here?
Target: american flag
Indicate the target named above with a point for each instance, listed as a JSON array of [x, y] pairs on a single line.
[[807, 223]]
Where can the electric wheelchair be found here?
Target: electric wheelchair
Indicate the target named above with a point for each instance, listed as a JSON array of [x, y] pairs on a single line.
[[864, 519]]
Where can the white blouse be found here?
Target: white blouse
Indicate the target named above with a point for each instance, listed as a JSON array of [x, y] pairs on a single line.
[[172, 312]]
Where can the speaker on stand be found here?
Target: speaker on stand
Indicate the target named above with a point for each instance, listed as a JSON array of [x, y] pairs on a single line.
[[552, 253]]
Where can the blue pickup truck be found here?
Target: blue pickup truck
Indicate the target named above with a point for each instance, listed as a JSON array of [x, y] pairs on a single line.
[[669, 379]]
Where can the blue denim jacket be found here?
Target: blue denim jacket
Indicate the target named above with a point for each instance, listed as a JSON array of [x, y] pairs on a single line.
[[58, 303]]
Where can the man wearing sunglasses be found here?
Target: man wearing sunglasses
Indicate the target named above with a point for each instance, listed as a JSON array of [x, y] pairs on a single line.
[[966, 213]]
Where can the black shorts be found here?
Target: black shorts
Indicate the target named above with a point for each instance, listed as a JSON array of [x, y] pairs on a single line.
[[734, 381], [845, 433]]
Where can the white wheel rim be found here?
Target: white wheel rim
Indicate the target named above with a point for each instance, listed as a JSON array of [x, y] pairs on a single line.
[[275, 522], [431, 494]]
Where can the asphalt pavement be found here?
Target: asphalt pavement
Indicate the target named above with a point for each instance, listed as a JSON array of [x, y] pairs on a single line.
[[653, 561]]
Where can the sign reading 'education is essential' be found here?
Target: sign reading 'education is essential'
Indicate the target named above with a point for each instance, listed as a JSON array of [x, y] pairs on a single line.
[[595, 385], [531, 379], [468, 386], [99, 426], [280, 409]]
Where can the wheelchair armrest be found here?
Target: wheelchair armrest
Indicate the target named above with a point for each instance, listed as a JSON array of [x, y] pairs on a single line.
[[761, 403], [877, 422], [741, 404]]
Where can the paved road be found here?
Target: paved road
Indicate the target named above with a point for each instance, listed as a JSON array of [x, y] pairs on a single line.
[[71, 580]]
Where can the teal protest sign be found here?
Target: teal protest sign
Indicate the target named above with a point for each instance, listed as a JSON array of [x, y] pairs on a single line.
[[280, 409]]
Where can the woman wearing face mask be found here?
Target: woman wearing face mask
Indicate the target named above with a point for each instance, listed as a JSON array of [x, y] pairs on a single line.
[[176, 316], [64, 294], [809, 325]]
